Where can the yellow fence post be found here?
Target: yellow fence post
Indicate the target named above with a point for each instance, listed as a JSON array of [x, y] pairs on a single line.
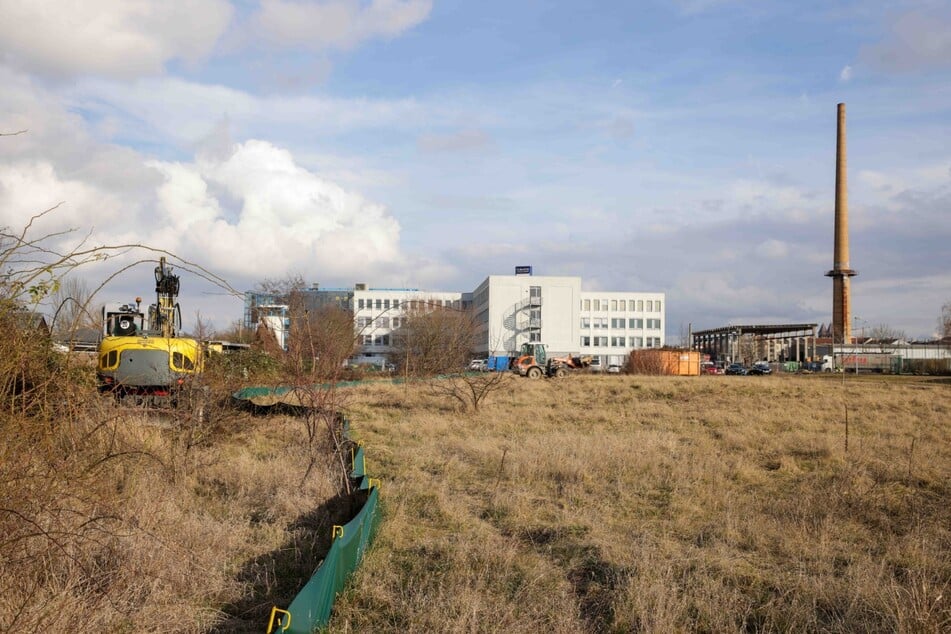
[[274, 611]]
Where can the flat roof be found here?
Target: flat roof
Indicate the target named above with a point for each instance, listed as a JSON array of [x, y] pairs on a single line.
[[756, 329]]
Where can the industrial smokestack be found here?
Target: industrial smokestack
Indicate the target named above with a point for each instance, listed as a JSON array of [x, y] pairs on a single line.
[[841, 271]]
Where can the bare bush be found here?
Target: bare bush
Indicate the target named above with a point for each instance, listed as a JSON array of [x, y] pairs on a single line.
[[647, 362], [433, 339]]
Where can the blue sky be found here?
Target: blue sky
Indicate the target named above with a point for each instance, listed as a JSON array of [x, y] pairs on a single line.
[[686, 147]]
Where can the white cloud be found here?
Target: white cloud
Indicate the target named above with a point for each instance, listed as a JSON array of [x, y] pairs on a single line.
[[189, 111], [288, 219], [845, 74], [336, 24], [114, 38], [28, 188]]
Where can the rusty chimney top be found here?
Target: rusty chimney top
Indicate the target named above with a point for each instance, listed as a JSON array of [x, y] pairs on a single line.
[[841, 271]]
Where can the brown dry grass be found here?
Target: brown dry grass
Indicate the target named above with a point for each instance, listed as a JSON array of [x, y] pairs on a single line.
[[120, 520], [595, 503], [658, 504]]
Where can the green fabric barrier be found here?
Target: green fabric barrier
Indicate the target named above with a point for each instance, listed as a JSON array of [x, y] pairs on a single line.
[[266, 396], [311, 608]]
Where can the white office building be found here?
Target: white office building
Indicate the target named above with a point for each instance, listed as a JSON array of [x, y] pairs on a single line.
[[614, 323], [510, 310], [515, 309]]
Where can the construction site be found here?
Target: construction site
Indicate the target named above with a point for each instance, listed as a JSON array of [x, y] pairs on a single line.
[[340, 469]]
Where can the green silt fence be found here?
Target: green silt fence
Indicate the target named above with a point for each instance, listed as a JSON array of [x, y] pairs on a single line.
[[310, 609]]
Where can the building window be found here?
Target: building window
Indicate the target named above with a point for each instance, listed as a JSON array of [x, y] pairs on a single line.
[[396, 323], [587, 304], [585, 322], [604, 305], [650, 306], [597, 304], [617, 342], [396, 303], [585, 342], [359, 303], [601, 341], [386, 304], [653, 324], [363, 322], [657, 342], [630, 305], [635, 323], [534, 337], [368, 340], [618, 322], [657, 305], [383, 322], [636, 342], [613, 305], [640, 305], [379, 304]]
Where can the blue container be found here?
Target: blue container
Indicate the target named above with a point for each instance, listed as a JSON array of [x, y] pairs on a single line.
[[498, 364]]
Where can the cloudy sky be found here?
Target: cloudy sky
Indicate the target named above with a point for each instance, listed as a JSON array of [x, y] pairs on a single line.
[[684, 146]]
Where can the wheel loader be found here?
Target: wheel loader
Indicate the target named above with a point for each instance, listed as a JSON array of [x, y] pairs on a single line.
[[533, 362]]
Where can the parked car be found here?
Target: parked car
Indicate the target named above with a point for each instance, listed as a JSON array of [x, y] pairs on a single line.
[[761, 367], [478, 365], [737, 369], [614, 369], [596, 365], [709, 367]]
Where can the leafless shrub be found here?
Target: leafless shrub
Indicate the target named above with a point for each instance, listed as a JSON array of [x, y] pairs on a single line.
[[648, 362], [433, 339]]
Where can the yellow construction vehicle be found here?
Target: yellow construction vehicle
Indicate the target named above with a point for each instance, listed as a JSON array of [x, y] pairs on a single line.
[[141, 357]]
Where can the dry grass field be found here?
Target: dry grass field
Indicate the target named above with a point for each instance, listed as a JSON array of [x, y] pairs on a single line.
[[659, 504], [114, 520], [593, 503]]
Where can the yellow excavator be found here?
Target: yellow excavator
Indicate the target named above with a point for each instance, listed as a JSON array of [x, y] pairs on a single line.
[[141, 357]]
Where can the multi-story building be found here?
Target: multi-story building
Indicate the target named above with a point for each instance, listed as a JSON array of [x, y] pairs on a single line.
[[509, 310], [614, 323], [377, 312], [515, 309]]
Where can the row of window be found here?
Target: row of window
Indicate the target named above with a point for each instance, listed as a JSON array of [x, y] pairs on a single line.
[[379, 322], [620, 323], [620, 342], [410, 304], [620, 305], [375, 340]]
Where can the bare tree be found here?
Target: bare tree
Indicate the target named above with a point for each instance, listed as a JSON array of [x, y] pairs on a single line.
[[885, 338], [944, 321], [319, 340], [435, 342], [322, 339], [433, 339], [70, 301]]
